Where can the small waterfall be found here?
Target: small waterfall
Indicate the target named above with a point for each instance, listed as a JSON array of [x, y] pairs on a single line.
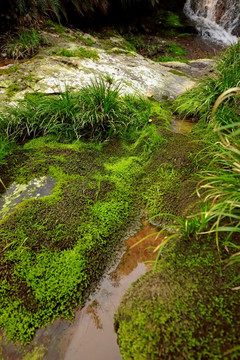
[[216, 20]]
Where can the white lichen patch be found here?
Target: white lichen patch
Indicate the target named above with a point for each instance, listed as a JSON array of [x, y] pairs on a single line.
[[18, 193], [49, 74]]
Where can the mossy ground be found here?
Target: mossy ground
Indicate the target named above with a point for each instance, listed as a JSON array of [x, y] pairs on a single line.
[[53, 249], [183, 310]]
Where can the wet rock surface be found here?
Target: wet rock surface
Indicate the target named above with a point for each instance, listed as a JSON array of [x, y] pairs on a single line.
[[91, 335], [17, 193], [194, 68], [49, 73]]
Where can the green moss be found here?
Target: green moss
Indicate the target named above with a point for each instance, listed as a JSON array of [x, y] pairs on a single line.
[[129, 46], [60, 29], [171, 20], [119, 51], [84, 39], [179, 73], [168, 58], [37, 354], [183, 310], [176, 49], [135, 41], [9, 70], [57, 246], [13, 89], [80, 52]]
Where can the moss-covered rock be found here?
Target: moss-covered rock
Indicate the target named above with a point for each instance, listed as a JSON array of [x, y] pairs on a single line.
[[183, 310]]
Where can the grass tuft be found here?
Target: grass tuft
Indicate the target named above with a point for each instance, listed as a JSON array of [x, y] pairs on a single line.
[[25, 45], [200, 100], [81, 52], [96, 112]]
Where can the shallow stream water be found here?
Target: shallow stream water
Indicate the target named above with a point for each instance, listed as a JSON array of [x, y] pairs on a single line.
[[91, 335], [182, 126]]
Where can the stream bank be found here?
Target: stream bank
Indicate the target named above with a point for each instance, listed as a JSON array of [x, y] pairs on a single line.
[[101, 189], [99, 192]]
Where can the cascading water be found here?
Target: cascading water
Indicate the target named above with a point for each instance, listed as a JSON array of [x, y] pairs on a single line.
[[217, 20]]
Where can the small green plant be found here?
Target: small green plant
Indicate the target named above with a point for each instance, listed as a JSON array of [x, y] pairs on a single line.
[[81, 52], [176, 49], [12, 89], [60, 29], [167, 58], [26, 45], [135, 40], [86, 41], [172, 20]]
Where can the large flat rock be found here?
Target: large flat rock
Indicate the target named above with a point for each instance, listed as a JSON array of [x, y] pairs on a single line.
[[137, 75]]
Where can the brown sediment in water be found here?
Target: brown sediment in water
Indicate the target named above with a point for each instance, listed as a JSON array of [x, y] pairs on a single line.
[[91, 336], [182, 126], [7, 63]]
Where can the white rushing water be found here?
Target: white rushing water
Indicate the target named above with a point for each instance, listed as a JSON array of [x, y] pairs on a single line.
[[215, 19]]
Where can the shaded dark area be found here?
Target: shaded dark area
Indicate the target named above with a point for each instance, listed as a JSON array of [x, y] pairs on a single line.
[[80, 12]]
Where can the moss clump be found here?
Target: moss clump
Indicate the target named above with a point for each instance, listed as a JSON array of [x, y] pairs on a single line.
[[53, 248], [178, 73], [183, 310], [13, 89], [81, 52], [85, 40], [9, 70], [163, 192]]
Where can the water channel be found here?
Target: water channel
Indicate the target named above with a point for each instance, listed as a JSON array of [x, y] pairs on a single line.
[[91, 335]]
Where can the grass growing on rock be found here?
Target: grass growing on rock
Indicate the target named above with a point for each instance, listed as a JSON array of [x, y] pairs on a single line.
[[199, 101], [25, 45], [95, 112], [82, 52]]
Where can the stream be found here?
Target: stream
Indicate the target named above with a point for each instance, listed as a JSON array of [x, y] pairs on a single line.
[[92, 331]]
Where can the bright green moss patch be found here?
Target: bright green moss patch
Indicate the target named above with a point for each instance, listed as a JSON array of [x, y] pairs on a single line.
[[81, 52], [53, 248], [84, 39], [182, 310], [13, 89]]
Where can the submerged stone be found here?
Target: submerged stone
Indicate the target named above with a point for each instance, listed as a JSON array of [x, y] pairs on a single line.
[[17, 193]]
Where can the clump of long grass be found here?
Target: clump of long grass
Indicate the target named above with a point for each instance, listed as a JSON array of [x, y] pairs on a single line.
[[200, 100], [219, 212], [25, 45], [96, 112]]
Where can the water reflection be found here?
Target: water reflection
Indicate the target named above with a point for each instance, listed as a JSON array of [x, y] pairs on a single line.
[[91, 336]]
